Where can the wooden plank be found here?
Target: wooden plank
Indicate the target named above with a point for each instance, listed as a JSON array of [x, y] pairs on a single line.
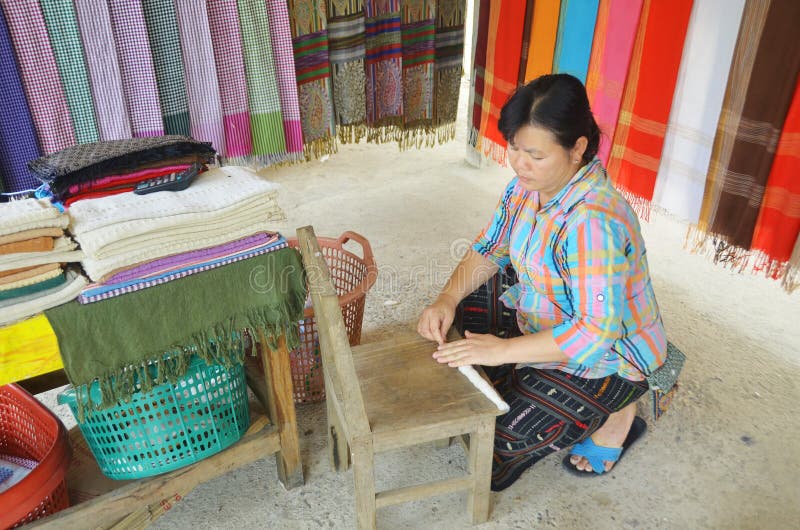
[[114, 506], [422, 491], [364, 479], [278, 379], [396, 439], [338, 448], [480, 465], [44, 382]]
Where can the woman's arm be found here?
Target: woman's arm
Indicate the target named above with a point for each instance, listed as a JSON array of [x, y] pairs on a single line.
[[472, 272], [489, 350]]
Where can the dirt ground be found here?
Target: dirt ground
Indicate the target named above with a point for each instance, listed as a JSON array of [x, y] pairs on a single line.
[[725, 456]]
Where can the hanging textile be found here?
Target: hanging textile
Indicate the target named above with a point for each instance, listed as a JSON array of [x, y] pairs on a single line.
[[614, 34], [653, 71], [165, 44], [496, 73], [62, 27], [542, 43], [39, 74], [266, 122], [384, 69], [419, 55], [574, 42], [778, 224], [202, 86], [136, 65], [696, 106], [309, 25], [17, 136], [791, 278], [760, 89], [346, 51], [94, 21], [226, 38], [281, 40], [448, 66]]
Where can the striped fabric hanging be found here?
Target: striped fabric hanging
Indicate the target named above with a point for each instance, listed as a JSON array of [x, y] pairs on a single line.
[[384, 69], [449, 43], [346, 48], [542, 42], [574, 42]]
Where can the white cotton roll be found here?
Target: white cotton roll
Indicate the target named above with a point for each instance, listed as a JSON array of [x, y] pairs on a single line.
[[481, 384]]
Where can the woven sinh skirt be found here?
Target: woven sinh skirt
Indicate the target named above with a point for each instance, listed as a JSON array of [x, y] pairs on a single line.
[[550, 410]]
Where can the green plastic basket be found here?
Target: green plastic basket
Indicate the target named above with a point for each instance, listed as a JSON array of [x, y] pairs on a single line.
[[171, 426]]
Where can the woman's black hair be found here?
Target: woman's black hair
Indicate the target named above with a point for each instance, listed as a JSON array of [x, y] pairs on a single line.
[[554, 102]]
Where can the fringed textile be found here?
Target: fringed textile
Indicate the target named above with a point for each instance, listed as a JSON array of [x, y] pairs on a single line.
[[419, 54], [574, 42], [649, 88], [383, 61], [448, 68], [542, 44], [346, 48], [165, 44]]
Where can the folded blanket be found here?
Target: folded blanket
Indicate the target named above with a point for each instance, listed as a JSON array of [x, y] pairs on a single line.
[[158, 330], [97, 292], [36, 275], [63, 252], [31, 234], [28, 214], [26, 306], [35, 288], [37, 244], [15, 275]]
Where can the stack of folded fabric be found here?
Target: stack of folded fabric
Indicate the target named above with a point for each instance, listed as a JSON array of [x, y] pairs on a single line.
[[133, 242], [33, 248], [102, 169]]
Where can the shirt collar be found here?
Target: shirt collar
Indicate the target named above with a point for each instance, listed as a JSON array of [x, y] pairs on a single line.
[[579, 185]]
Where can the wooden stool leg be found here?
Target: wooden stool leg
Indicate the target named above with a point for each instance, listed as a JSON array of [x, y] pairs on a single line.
[[278, 376], [481, 446], [338, 450], [364, 478]]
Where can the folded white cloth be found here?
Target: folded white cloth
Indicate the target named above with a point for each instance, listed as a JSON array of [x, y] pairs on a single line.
[[63, 252], [27, 214], [26, 306]]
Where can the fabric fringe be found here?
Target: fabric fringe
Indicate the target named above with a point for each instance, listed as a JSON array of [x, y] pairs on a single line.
[[640, 205], [224, 344], [320, 147], [489, 149], [791, 278], [351, 134]]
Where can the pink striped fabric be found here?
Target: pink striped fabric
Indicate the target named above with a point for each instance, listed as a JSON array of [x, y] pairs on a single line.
[[205, 103], [226, 38], [39, 73], [281, 37], [606, 80], [136, 62], [100, 50]]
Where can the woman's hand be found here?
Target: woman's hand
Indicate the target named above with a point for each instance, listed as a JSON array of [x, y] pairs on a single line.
[[437, 318], [486, 350]]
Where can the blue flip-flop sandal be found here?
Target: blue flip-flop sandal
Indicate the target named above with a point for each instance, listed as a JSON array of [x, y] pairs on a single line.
[[597, 455]]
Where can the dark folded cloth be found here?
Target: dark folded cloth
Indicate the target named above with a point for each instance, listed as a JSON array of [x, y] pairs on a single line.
[[85, 162]]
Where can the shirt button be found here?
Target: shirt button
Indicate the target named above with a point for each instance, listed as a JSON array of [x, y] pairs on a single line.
[[600, 297]]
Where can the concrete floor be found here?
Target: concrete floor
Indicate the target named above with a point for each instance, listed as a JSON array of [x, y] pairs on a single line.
[[725, 456]]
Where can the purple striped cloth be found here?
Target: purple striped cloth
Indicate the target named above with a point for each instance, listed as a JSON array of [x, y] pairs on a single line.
[[40, 79], [281, 37], [17, 135], [94, 21], [226, 38], [136, 62], [205, 103]]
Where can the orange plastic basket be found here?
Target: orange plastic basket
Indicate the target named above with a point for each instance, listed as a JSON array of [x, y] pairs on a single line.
[[29, 430], [353, 277]]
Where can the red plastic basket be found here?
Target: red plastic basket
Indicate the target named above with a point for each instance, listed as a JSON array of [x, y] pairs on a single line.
[[29, 430], [352, 277]]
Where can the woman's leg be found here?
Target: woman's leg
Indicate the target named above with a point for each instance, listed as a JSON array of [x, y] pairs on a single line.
[[551, 410]]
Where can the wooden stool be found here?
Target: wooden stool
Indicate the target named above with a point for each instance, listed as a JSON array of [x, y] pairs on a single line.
[[392, 394]]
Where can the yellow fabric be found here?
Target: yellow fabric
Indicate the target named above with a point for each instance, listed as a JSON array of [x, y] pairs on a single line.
[[27, 349]]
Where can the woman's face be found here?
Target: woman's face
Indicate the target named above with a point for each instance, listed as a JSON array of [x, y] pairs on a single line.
[[541, 163]]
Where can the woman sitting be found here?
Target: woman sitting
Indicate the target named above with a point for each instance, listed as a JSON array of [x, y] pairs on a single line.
[[585, 303]]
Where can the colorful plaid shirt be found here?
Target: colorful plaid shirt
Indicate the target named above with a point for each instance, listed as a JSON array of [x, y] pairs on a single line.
[[582, 268]]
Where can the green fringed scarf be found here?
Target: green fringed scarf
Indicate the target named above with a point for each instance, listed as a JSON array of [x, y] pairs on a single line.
[[159, 329]]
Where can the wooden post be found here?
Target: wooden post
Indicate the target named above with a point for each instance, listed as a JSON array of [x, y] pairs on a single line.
[[481, 447], [278, 378], [364, 479]]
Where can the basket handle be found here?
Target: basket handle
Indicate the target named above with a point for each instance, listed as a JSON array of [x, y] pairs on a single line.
[[366, 249]]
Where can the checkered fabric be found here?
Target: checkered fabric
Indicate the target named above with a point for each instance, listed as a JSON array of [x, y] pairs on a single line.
[[165, 45], [39, 73], [205, 105], [136, 65], [266, 120], [17, 135], [94, 21], [62, 26], [226, 37], [281, 40]]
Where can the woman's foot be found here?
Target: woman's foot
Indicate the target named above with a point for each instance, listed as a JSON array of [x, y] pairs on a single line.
[[611, 434]]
